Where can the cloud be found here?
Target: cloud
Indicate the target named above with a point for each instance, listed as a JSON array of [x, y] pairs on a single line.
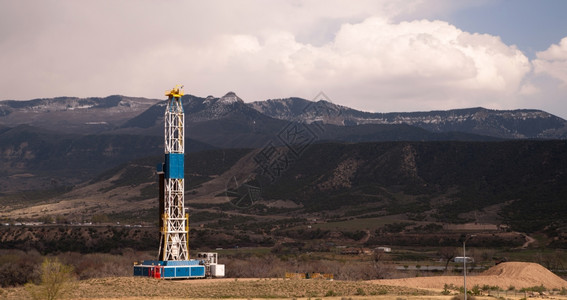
[[369, 54], [377, 61], [553, 61]]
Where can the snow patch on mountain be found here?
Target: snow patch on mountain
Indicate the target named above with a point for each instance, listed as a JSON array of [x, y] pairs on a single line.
[[212, 108], [498, 123], [230, 98]]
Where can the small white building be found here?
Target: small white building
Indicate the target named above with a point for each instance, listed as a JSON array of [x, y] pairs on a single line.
[[461, 259], [212, 267]]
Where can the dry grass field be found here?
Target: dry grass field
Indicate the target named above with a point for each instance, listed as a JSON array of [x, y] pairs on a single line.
[[147, 288], [505, 275]]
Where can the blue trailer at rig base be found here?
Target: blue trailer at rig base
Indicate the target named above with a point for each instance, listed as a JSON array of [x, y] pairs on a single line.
[[170, 269], [173, 258]]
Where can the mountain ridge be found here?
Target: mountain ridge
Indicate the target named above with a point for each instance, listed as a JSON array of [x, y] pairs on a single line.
[[519, 123], [326, 161], [441, 182], [48, 134], [46, 156], [72, 114], [144, 116]]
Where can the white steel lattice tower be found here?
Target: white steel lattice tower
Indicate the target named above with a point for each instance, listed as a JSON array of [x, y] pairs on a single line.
[[174, 222]]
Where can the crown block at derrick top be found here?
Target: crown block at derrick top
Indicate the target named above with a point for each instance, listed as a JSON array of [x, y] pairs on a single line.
[[174, 165]]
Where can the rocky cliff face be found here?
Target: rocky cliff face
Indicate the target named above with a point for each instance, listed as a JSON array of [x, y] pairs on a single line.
[[98, 115], [511, 124], [211, 108], [73, 115]]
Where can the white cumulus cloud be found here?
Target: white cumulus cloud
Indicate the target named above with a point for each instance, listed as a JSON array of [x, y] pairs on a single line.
[[376, 63], [373, 55], [553, 61]]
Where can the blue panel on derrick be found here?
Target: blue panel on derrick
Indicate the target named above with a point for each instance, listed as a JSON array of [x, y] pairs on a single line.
[[174, 165]]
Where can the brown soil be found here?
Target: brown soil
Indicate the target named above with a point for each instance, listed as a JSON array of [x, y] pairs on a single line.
[[504, 275], [241, 288], [516, 274]]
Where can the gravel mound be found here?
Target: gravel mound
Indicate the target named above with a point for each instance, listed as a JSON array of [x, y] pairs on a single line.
[[526, 272], [510, 274]]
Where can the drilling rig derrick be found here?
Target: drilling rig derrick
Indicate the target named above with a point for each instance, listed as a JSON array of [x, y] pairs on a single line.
[[173, 258]]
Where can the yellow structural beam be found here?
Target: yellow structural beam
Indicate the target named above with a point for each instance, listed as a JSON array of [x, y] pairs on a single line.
[[176, 92]]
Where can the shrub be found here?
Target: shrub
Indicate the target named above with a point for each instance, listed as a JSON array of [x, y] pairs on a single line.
[[475, 290], [462, 296], [379, 292], [56, 281], [445, 289], [17, 267], [539, 289]]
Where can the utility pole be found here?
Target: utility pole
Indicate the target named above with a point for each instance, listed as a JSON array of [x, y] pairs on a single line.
[[465, 263]]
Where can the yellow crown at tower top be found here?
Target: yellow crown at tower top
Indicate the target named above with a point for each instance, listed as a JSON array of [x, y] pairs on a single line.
[[176, 92]]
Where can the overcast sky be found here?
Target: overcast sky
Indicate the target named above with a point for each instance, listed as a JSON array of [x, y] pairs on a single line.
[[380, 56]]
